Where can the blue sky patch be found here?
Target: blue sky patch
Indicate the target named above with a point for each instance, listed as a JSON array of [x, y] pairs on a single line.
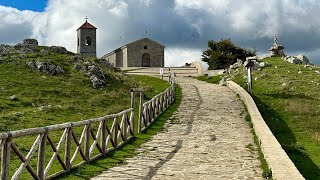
[[32, 5]]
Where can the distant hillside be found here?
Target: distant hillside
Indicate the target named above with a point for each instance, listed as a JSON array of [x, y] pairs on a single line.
[[48, 85], [288, 98]]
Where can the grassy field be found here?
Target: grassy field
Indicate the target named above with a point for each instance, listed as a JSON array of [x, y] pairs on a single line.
[[42, 100], [288, 98]]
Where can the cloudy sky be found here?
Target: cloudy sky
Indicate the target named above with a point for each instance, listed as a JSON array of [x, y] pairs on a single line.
[[183, 26]]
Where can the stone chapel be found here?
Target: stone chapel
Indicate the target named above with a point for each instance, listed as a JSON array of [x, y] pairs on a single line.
[[140, 53]]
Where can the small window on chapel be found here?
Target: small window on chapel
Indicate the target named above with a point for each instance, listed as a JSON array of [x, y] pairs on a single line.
[[145, 47], [88, 41]]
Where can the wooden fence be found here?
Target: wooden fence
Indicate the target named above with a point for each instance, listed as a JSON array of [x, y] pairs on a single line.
[[108, 136]]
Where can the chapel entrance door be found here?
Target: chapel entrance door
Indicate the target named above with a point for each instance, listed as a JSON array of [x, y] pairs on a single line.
[[146, 60]]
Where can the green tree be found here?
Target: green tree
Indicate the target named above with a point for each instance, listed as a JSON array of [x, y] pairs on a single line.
[[222, 54]]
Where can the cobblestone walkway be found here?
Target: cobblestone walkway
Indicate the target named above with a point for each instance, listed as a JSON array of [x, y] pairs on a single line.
[[207, 138]]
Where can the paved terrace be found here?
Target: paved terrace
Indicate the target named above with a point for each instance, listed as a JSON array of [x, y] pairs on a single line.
[[207, 138]]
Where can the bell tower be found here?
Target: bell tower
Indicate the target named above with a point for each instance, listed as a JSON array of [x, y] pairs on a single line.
[[86, 39]]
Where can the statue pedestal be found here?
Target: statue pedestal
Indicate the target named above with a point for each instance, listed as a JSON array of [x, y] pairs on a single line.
[[277, 50]]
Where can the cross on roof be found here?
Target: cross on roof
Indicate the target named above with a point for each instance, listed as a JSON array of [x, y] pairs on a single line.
[[86, 18]]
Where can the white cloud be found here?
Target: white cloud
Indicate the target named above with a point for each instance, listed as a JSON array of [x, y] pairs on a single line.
[[180, 56], [15, 25], [183, 26]]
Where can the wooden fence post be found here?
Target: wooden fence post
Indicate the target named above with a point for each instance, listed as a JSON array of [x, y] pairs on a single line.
[[5, 157], [68, 148], [103, 136], [115, 135], [132, 98], [41, 155], [124, 126], [87, 142], [140, 112], [131, 120]]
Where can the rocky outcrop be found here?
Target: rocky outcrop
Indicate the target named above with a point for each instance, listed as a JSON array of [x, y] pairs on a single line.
[[6, 49], [58, 49], [96, 75], [43, 52], [30, 42], [299, 59], [256, 65], [235, 65], [96, 82], [45, 67]]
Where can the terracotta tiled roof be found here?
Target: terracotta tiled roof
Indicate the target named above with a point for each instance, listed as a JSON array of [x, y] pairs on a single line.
[[86, 25]]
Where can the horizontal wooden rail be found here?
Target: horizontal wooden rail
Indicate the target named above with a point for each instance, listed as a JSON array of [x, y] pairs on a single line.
[[90, 144]]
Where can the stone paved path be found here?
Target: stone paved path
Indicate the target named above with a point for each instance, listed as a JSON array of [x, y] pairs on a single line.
[[208, 138]]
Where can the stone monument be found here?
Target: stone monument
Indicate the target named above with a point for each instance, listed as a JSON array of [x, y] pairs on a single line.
[[276, 49]]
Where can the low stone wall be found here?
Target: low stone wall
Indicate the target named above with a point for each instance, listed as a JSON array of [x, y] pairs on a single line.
[[281, 165]]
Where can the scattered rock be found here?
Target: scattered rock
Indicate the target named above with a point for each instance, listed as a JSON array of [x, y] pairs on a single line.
[[96, 82], [41, 108], [18, 114], [264, 64], [6, 49], [23, 56], [58, 49], [236, 65], [264, 75], [78, 67], [13, 98], [261, 77], [44, 52], [26, 50], [77, 58], [300, 72], [45, 67], [96, 70], [299, 59]]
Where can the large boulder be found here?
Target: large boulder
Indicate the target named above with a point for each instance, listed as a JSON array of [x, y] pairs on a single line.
[[58, 49], [30, 42]]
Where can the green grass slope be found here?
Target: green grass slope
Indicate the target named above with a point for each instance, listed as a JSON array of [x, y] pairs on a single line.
[[288, 98], [43, 100]]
